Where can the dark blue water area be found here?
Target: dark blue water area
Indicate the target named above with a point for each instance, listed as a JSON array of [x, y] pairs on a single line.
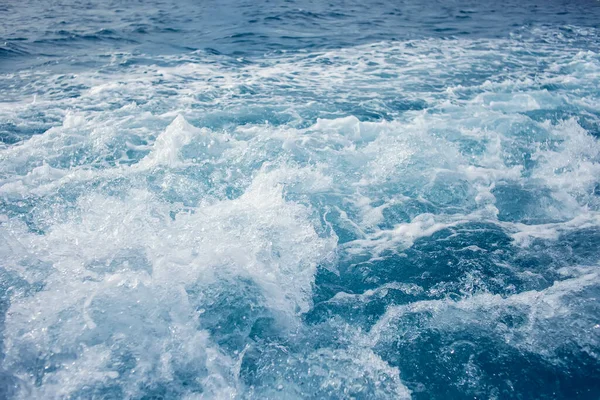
[[299, 199], [37, 32]]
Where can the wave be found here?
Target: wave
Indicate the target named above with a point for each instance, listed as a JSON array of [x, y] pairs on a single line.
[[304, 225]]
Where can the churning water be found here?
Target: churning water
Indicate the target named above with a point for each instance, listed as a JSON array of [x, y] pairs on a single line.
[[300, 199]]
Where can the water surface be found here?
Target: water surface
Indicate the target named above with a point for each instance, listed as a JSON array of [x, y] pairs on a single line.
[[298, 200]]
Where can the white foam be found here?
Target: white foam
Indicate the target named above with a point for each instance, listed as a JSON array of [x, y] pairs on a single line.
[[543, 311], [166, 147], [151, 203], [259, 236]]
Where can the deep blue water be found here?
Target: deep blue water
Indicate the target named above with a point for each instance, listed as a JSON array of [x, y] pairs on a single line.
[[300, 199]]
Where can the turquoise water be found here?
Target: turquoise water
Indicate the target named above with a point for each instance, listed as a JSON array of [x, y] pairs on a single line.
[[300, 200]]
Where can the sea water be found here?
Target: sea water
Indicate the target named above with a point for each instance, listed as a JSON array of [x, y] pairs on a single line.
[[299, 200]]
